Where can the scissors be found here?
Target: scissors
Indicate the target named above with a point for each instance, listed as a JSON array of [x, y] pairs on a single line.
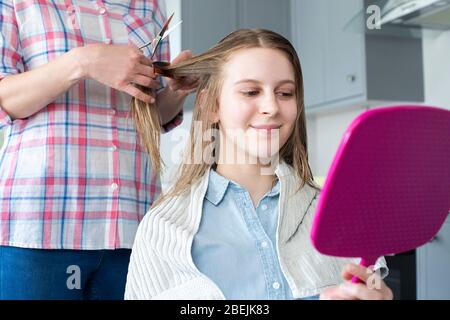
[[156, 42]]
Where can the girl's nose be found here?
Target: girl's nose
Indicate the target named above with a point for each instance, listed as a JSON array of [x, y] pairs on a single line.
[[269, 105]]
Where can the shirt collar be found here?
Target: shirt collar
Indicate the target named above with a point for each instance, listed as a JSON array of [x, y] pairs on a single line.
[[275, 190], [218, 185]]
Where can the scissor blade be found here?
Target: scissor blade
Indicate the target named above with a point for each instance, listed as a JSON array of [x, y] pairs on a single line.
[[157, 41], [171, 29], [166, 25]]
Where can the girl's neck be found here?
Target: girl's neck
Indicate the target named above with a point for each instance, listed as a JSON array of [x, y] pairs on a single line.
[[252, 177]]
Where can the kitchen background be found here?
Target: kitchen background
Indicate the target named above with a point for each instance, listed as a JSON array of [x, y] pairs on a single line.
[[347, 69]]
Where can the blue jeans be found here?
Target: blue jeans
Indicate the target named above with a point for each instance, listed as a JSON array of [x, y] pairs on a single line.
[[63, 274]]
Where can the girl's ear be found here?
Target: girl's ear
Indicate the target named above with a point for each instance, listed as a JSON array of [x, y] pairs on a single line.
[[213, 114], [202, 98]]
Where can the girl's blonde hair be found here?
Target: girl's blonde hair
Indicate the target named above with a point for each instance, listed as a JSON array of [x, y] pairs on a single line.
[[148, 125], [208, 68]]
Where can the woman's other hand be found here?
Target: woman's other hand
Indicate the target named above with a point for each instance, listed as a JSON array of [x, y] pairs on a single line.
[[121, 67], [182, 86], [372, 288]]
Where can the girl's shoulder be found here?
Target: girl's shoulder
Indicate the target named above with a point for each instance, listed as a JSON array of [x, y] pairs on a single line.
[[170, 208]]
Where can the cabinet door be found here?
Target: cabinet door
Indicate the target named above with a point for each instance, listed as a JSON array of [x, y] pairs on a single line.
[[433, 265], [309, 21], [332, 55], [265, 14], [345, 53], [205, 22]]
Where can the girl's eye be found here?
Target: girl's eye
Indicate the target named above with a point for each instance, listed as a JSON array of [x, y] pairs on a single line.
[[250, 93], [286, 94]]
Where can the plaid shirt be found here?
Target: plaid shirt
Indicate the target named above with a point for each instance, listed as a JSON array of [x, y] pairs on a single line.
[[73, 176]]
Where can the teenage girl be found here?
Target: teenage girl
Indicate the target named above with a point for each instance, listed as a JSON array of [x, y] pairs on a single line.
[[236, 223]]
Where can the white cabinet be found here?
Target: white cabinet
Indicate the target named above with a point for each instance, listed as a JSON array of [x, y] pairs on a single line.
[[332, 57], [345, 64], [345, 48], [433, 265], [310, 47]]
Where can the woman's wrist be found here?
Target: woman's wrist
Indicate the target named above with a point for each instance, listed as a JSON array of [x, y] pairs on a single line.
[[80, 61], [170, 103]]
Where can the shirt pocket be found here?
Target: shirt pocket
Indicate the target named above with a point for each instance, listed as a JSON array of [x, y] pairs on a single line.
[[141, 31]]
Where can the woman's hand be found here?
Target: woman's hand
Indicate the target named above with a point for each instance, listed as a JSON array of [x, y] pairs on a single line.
[[170, 100], [121, 67], [182, 86], [373, 287]]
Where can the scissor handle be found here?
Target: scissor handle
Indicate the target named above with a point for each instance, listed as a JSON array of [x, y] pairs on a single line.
[[158, 68]]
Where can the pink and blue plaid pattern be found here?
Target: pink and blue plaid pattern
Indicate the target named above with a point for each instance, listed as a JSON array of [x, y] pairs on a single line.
[[73, 176]]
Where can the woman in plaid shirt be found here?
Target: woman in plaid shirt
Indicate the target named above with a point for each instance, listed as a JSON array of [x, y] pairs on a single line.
[[74, 181]]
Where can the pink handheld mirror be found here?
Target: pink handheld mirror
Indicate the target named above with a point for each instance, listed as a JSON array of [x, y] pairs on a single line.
[[388, 188]]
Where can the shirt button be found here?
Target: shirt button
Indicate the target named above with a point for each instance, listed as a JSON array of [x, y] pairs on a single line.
[[276, 285], [102, 10], [264, 207], [264, 244], [108, 41], [114, 147], [70, 9], [112, 112], [114, 186]]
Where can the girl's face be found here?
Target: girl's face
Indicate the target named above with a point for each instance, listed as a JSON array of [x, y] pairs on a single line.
[[257, 105]]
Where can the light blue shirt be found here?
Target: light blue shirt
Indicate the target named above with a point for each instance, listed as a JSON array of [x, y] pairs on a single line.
[[235, 245]]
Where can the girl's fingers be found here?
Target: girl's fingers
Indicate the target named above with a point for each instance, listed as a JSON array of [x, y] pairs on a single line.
[[336, 293], [360, 291], [360, 272], [373, 287]]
